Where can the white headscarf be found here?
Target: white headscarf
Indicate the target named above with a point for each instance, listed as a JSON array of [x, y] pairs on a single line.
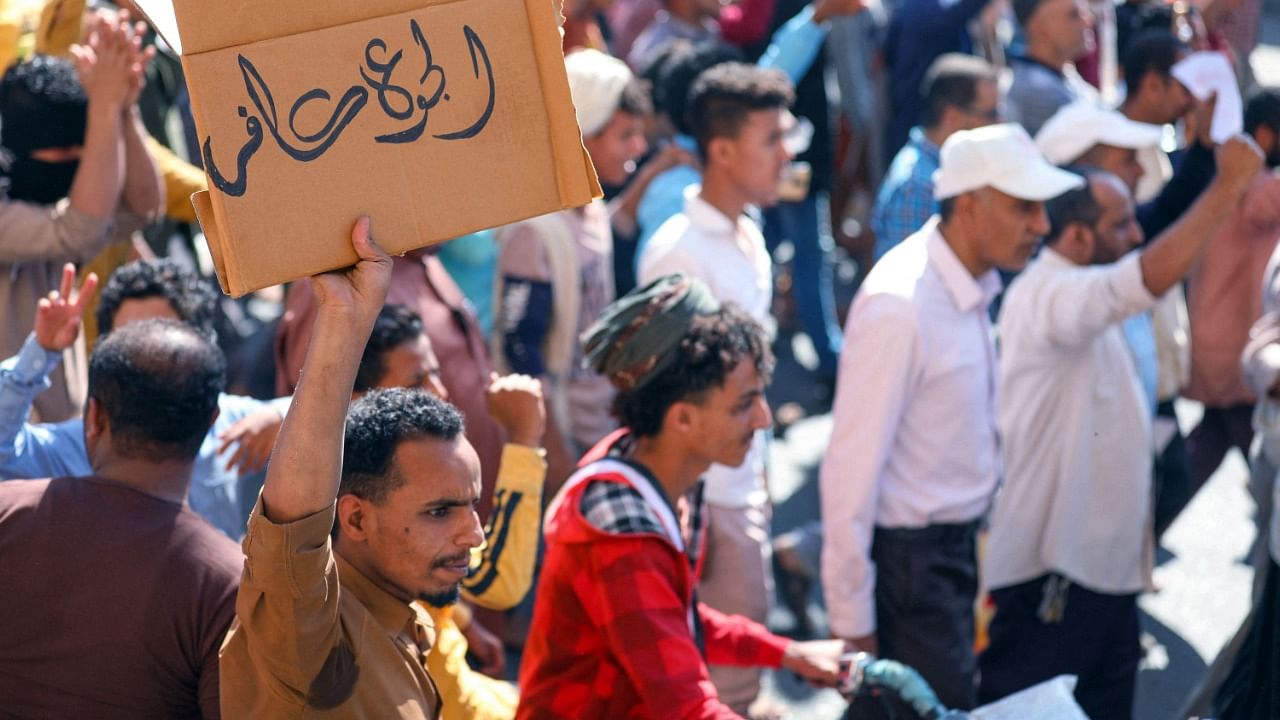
[[596, 82]]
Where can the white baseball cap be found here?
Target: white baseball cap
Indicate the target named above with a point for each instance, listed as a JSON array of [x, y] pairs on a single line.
[[1077, 127], [1003, 157], [596, 83]]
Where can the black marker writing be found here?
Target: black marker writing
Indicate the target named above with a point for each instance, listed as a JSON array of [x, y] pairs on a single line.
[[396, 101], [424, 103], [346, 110], [236, 188], [478, 52], [383, 85]]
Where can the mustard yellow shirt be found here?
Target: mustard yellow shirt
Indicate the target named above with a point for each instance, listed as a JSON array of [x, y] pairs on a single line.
[[502, 577], [464, 693]]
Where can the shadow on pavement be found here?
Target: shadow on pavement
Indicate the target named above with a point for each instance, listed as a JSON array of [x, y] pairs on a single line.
[[1162, 677]]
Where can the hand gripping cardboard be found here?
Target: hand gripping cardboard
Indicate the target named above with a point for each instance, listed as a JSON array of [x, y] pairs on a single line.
[[435, 117]]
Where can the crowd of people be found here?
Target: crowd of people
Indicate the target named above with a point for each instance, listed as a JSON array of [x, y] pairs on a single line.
[[524, 473]]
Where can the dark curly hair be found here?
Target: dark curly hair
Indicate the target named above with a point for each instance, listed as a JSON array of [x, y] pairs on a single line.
[[1150, 51], [376, 425], [676, 69], [187, 293], [396, 325], [710, 350], [1262, 108], [723, 96], [158, 382], [43, 106]]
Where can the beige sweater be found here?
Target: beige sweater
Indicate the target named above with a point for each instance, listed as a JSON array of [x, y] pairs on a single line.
[[35, 241]]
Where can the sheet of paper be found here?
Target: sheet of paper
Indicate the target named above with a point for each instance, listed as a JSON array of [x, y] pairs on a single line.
[[1051, 700], [1209, 73]]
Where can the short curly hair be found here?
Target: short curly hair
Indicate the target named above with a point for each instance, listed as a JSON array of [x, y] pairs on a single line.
[[376, 425], [713, 346], [396, 325], [1150, 51], [674, 71], [158, 383], [723, 96], [189, 295]]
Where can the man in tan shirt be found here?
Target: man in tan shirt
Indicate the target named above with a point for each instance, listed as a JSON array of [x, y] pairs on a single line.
[[330, 630]]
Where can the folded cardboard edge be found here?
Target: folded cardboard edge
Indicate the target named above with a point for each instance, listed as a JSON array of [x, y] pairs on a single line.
[[164, 15], [210, 210], [236, 282], [577, 184], [218, 245]]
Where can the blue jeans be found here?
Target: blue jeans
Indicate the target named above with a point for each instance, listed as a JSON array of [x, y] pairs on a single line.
[[806, 225]]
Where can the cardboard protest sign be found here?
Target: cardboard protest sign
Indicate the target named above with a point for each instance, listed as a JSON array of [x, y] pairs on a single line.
[[435, 117]]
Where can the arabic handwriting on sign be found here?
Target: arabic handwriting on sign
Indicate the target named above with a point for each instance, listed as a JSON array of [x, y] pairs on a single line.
[[384, 85], [477, 49], [396, 101], [236, 188]]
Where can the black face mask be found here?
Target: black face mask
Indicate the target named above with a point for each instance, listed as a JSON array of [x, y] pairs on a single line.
[[40, 182]]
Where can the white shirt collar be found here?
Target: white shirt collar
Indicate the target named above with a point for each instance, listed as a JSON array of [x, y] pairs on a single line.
[[967, 292], [705, 216]]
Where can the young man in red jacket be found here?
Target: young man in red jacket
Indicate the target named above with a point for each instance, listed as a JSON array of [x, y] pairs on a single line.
[[617, 629]]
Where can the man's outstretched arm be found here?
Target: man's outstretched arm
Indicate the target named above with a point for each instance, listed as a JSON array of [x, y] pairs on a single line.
[[306, 464], [52, 449]]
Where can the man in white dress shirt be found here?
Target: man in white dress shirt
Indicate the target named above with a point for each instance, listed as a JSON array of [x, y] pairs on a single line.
[[914, 457], [738, 114], [1071, 541]]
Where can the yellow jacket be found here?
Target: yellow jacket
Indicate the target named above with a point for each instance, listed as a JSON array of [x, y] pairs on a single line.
[[502, 573], [181, 180], [464, 693]]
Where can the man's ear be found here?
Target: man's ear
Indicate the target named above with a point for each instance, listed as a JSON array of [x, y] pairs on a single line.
[[1076, 243], [950, 121], [95, 420], [353, 519], [1149, 84], [720, 150], [964, 203], [1266, 138], [682, 418]]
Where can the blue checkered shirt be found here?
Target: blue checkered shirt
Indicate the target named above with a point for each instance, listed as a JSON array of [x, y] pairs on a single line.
[[905, 201]]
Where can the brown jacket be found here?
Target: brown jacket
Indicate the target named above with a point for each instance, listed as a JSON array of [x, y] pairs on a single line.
[[313, 638]]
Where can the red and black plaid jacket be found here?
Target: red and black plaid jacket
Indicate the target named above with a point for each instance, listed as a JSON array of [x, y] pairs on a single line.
[[611, 634]]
